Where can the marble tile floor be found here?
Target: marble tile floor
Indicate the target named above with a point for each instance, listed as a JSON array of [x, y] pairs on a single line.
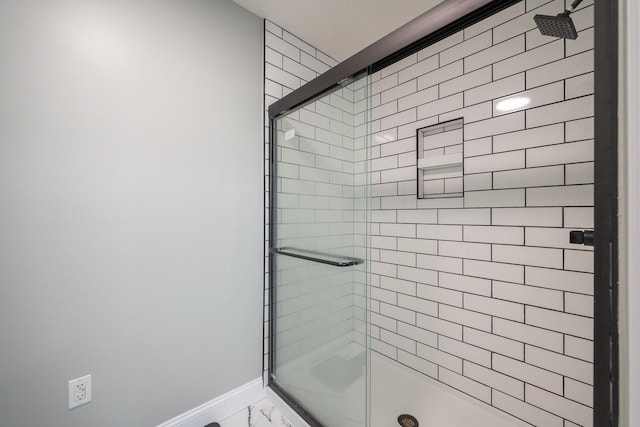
[[262, 414]]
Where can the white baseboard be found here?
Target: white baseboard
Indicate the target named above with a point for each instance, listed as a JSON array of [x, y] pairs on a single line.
[[221, 407]]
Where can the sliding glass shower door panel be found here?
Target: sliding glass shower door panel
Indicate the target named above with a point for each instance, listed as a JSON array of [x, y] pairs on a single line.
[[318, 257], [482, 214]]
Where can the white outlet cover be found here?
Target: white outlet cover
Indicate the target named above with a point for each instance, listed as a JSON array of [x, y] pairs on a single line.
[[74, 399]]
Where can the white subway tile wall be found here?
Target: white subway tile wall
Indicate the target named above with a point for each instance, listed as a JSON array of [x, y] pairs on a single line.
[[486, 291], [316, 174]]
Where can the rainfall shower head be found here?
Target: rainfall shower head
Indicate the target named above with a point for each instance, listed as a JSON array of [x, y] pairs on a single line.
[[560, 25], [556, 26]]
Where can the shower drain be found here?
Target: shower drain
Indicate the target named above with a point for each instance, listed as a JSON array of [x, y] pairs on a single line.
[[406, 420]]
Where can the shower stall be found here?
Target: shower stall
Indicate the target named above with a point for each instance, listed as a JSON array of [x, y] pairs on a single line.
[[431, 244]]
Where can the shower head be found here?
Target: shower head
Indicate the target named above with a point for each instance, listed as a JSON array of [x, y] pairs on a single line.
[[556, 26], [560, 25]]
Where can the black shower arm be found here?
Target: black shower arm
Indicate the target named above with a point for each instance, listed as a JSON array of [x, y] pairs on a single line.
[[572, 8]]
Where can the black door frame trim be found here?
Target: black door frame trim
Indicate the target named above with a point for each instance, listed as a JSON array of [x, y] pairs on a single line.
[[437, 24], [606, 356]]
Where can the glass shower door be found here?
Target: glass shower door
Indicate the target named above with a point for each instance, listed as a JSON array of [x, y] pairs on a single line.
[[479, 276], [482, 190], [318, 253]]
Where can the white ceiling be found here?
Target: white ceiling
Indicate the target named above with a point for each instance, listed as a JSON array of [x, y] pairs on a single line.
[[339, 28]]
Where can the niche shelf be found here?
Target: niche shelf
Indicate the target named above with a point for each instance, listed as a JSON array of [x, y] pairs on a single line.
[[440, 160]]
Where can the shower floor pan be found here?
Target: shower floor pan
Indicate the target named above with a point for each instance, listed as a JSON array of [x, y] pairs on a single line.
[[397, 389]]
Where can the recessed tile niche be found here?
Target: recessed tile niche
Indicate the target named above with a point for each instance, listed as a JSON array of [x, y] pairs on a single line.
[[440, 160]]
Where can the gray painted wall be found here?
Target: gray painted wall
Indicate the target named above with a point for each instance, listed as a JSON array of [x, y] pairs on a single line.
[[130, 207]]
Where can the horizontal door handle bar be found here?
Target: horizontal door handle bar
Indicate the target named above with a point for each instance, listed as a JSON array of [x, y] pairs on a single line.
[[340, 261]]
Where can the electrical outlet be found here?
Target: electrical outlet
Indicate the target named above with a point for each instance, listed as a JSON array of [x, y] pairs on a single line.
[[79, 391]]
